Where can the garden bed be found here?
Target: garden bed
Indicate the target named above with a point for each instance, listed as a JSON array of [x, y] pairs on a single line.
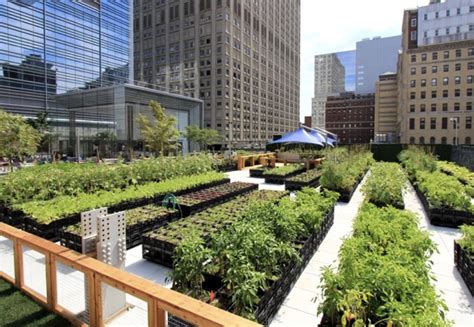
[[444, 217], [465, 265], [279, 175], [159, 245], [138, 221], [258, 172], [197, 201], [51, 228], [346, 195], [309, 178]]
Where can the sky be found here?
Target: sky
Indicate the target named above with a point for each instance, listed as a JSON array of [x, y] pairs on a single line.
[[336, 25]]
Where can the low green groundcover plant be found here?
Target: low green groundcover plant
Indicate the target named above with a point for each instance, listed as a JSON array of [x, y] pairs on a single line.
[[283, 170], [44, 182], [307, 176], [467, 240], [16, 309], [383, 278], [385, 184], [444, 191], [60, 207], [340, 171], [461, 173], [253, 251]]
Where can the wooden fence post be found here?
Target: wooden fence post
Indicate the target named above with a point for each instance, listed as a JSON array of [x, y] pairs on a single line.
[[51, 281], [18, 255]]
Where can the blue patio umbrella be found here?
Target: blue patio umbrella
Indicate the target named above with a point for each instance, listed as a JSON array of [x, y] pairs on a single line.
[[299, 136], [330, 140]]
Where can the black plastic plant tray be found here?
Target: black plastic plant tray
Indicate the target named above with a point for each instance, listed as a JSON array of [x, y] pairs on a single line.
[[465, 265], [444, 217], [297, 185]]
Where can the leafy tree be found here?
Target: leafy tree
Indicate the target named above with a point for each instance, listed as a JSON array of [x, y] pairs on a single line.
[[41, 124], [104, 141], [202, 136], [160, 135], [17, 138]]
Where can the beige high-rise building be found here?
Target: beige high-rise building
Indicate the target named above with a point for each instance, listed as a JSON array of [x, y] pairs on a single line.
[[241, 57], [329, 75], [386, 108], [436, 74]]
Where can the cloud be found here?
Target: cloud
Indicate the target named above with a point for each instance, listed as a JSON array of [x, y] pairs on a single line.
[[333, 26]]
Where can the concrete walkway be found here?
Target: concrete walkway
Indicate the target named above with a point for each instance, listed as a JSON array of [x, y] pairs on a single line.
[[300, 306]]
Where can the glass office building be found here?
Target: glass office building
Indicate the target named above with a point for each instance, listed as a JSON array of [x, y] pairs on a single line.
[[348, 60], [53, 50]]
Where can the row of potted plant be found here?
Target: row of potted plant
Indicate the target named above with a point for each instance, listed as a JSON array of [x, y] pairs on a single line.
[[46, 218], [44, 182], [464, 256], [342, 171], [199, 200], [385, 185], [159, 245], [284, 171], [249, 267], [463, 174], [305, 179], [137, 221], [383, 277]]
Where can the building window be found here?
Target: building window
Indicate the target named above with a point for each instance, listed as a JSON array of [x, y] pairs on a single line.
[[423, 70], [444, 140], [412, 108], [413, 71], [433, 94], [447, 33], [413, 58], [469, 92], [448, 13], [457, 106], [425, 34], [458, 53], [412, 123], [434, 82], [423, 57], [422, 140], [423, 94], [471, 8], [457, 92], [432, 140], [445, 93], [434, 55], [433, 123], [470, 52], [433, 107], [434, 69], [458, 67], [446, 68], [413, 22], [444, 123], [469, 79], [468, 122], [422, 123], [412, 83], [445, 107], [423, 82], [446, 81], [469, 106], [470, 65], [425, 16], [458, 29], [413, 35], [471, 27], [422, 107], [457, 80], [412, 95], [455, 140], [468, 140], [412, 140], [436, 32]]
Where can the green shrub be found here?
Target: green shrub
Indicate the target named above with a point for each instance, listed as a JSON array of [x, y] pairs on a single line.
[[462, 173], [416, 159], [467, 240], [385, 184], [383, 274], [283, 170]]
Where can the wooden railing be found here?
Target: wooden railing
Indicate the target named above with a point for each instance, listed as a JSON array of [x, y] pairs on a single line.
[[96, 274]]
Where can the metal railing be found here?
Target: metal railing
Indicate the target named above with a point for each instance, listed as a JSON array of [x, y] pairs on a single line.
[[74, 286]]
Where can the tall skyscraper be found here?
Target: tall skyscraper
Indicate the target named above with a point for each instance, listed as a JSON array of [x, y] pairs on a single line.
[[241, 57], [54, 47], [348, 60], [374, 57], [436, 74], [329, 76]]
